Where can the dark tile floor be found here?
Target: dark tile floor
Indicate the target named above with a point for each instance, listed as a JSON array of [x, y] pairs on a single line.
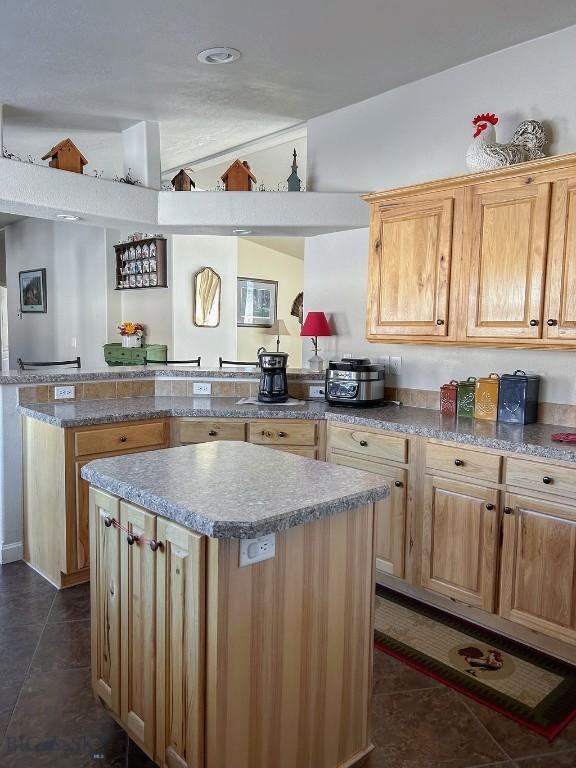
[[49, 718]]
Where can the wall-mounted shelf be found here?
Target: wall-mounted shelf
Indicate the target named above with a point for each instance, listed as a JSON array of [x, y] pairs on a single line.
[[141, 264]]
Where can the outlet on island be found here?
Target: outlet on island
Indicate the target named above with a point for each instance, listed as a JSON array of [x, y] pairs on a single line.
[[256, 550], [202, 388], [64, 393]]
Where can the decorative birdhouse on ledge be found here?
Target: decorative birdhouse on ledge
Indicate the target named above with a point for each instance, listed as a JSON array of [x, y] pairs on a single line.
[[239, 177], [182, 182], [66, 157]]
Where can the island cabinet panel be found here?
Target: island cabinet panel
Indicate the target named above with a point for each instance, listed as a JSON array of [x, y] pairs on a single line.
[[289, 648], [180, 646], [408, 290], [138, 616], [560, 312], [460, 541], [538, 580], [105, 598], [507, 260]]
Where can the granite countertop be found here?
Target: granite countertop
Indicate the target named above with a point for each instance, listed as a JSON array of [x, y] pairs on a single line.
[[54, 375], [233, 489], [530, 440]]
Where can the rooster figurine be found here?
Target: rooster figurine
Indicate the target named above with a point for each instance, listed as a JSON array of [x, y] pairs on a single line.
[[485, 153]]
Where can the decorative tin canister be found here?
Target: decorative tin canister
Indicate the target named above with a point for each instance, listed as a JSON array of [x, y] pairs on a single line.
[[486, 406], [448, 397], [518, 403], [466, 392]]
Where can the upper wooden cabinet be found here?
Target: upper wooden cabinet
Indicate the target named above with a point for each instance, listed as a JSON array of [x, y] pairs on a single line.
[[486, 259]]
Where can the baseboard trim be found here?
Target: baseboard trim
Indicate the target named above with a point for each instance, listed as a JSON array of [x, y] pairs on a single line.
[[10, 553]]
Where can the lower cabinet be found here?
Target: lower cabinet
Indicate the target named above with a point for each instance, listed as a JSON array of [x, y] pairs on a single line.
[[460, 529], [538, 575]]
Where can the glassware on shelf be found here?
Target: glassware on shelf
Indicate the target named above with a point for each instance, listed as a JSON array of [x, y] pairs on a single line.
[[138, 281], [145, 266], [138, 267], [138, 252], [152, 250], [145, 281], [152, 265], [145, 251], [153, 280], [132, 281], [132, 253]]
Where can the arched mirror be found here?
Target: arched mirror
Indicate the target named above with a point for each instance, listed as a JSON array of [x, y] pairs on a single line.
[[207, 292]]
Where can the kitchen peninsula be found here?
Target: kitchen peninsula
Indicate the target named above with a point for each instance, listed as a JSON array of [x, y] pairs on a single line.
[[210, 659]]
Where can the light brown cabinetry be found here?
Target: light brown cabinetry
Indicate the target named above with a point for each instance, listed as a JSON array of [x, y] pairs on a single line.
[[505, 241]]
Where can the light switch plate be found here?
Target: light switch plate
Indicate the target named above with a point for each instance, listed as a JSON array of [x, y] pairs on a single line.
[[255, 550], [202, 388], [316, 391], [64, 393]]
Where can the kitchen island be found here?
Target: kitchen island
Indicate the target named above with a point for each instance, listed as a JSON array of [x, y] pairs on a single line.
[[205, 660]]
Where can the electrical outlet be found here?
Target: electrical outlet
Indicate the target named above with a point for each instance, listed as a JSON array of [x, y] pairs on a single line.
[[395, 365], [64, 393], [256, 550], [202, 388], [316, 390]]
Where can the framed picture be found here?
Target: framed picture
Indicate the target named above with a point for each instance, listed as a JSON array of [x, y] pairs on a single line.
[[33, 290], [256, 302]]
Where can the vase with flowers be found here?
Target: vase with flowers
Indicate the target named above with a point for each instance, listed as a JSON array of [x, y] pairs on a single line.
[[131, 334]]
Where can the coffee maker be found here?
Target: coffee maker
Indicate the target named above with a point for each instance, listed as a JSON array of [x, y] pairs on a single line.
[[273, 380]]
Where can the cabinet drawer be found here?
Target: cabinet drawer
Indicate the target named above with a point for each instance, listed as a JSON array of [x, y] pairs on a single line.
[[121, 438], [299, 450], [547, 478], [369, 444], [206, 431], [460, 461], [282, 432]]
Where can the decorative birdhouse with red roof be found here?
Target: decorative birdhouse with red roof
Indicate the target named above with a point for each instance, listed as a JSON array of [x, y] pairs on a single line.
[[66, 157], [239, 177]]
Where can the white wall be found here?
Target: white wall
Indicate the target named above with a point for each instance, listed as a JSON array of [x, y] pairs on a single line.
[[191, 254], [75, 258], [420, 132]]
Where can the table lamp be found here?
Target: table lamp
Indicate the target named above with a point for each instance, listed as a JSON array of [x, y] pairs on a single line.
[[278, 328], [315, 325]]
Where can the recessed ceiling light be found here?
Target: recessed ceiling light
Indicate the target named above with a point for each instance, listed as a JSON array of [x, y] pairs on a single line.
[[67, 217], [242, 231], [223, 55]]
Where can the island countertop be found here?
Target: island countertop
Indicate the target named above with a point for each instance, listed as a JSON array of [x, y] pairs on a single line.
[[234, 489]]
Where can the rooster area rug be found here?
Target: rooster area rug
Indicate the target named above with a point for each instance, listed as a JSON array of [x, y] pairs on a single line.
[[527, 686]]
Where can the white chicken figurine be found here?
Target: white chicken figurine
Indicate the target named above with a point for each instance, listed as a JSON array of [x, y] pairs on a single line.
[[485, 154]]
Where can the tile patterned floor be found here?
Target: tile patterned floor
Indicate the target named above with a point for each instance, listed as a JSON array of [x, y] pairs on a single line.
[[49, 718]]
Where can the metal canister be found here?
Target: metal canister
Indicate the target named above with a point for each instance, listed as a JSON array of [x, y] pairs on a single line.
[[448, 398], [487, 390], [518, 401], [466, 397]]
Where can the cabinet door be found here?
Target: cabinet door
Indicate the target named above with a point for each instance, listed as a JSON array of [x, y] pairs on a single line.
[[538, 578], [390, 513], [560, 314], [105, 598], [507, 238], [138, 603], [82, 548], [180, 646], [410, 268], [460, 539]]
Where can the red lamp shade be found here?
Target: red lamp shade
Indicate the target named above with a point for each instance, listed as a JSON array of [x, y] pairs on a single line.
[[316, 325]]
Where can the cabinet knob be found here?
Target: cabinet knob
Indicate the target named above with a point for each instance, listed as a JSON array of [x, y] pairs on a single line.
[[439, 322], [108, 522], [363, 443], [398, 483], [490, 507], [508, 510], [533, 323], [547, 480], [212, 433], [551, 322], [155, 545], [458, 462], [281, 434], [123, 438], [131, 539]]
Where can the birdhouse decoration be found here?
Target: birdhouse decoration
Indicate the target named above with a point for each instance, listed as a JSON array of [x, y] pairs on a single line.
[[239, 177], [66, 157], [182, 181], [294, 183]]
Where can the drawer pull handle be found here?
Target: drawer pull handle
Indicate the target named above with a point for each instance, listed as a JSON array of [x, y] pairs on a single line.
[[212, 433], [439, 322], [363, 443], [123, 439], [131, 539], [458, 462], [547, 480], [109, 522], [490, 507], [155, 545], [533, 323], [398, 483], [551, 322], [281, 434], [508, 510]]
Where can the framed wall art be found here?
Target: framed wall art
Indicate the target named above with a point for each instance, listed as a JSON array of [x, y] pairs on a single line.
[[33, 291], [256, 302]]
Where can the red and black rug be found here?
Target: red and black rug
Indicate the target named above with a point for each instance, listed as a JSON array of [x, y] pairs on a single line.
[[525, 685]]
